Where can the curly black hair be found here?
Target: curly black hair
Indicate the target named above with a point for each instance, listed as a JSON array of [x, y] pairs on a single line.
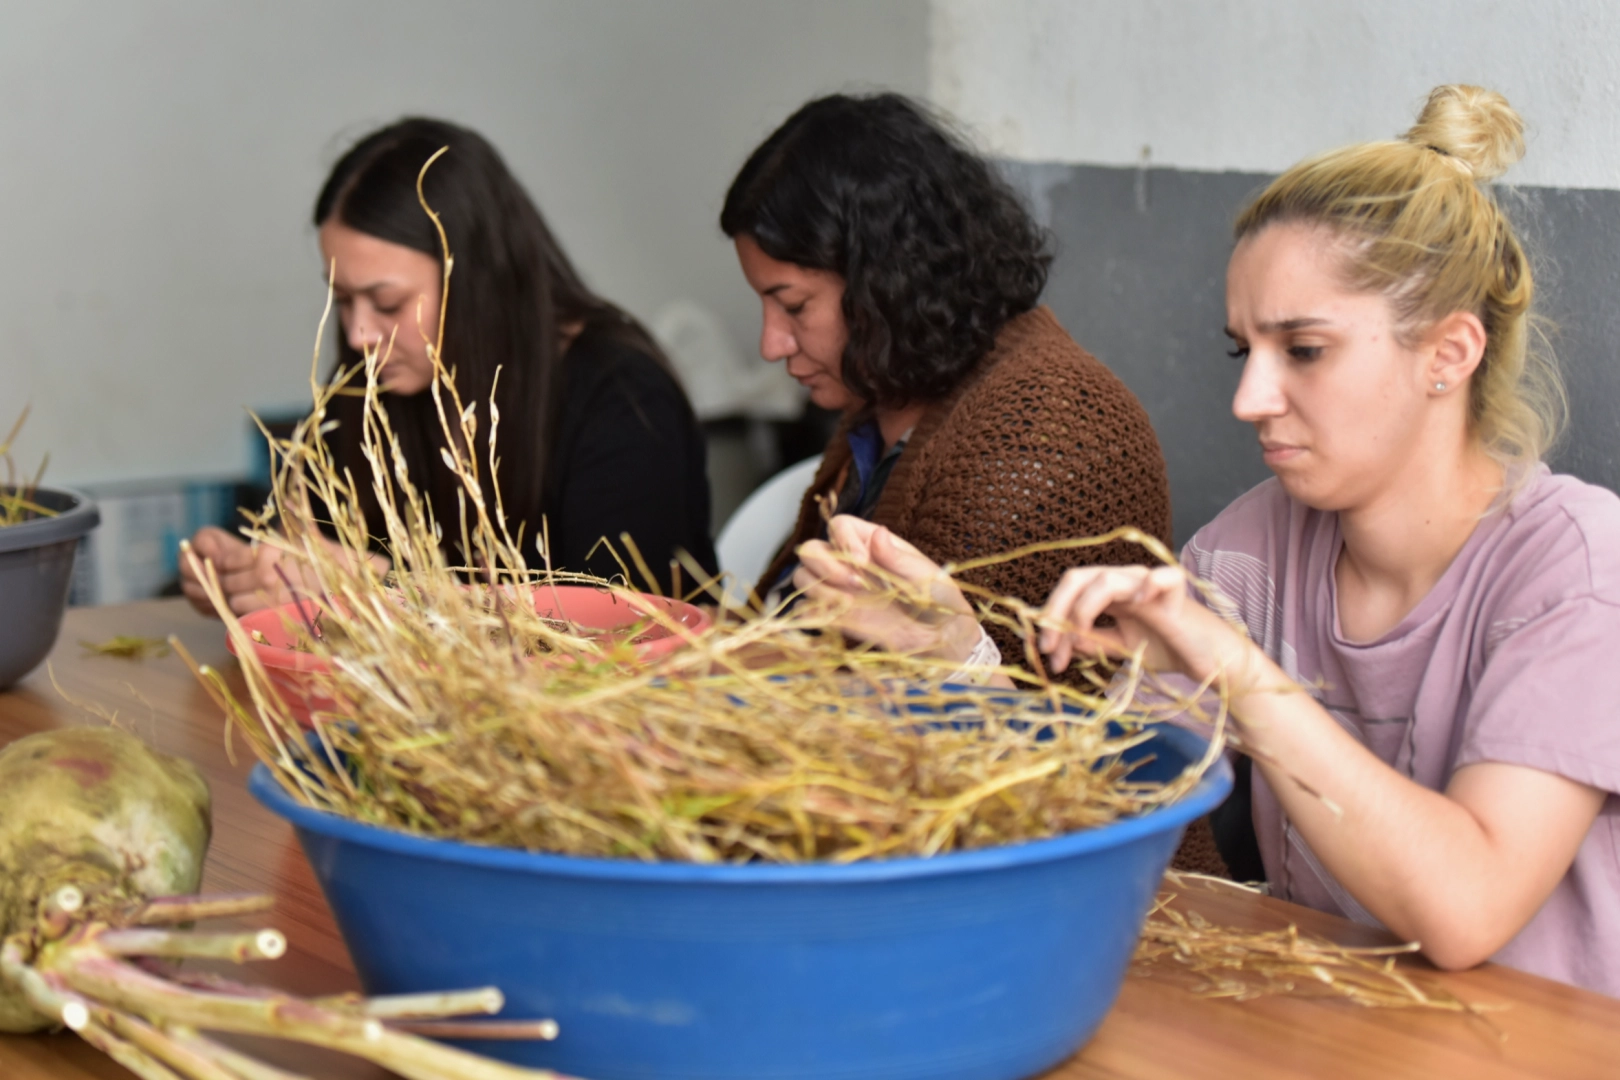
[[935, 249]]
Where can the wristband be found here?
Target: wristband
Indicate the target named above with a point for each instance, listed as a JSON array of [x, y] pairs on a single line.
[[980, 663]]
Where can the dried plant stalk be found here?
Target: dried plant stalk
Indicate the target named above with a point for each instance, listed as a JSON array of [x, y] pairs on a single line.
[[1227, 962], [127, 647], [17, 496], [171, 910], [89, 963]]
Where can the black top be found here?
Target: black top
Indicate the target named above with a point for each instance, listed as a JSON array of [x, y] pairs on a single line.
[[629, 457]]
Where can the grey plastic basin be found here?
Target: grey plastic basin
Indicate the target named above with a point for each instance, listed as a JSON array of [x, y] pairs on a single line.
[[36, 568]]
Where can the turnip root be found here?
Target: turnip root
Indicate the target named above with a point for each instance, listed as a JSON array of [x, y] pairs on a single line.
[[97, 831], [96, 809]]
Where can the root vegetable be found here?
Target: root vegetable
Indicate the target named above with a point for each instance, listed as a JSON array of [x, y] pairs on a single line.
[[98, 810], [97, 830]]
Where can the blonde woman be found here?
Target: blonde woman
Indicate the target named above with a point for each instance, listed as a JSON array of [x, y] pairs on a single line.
[[1428, 680]]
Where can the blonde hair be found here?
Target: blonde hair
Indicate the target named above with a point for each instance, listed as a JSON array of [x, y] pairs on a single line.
[[1419, 225]]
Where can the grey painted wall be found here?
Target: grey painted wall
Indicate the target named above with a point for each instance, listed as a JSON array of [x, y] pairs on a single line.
[[1140, 281]]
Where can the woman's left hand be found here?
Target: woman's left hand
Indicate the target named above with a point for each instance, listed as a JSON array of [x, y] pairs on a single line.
[[936, 621]]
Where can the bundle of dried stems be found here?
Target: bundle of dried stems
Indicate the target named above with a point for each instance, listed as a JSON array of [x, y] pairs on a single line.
[[106, 972], [17, 496], [1229, 962], [467, 714]]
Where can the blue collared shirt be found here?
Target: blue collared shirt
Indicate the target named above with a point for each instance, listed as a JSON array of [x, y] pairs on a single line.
[[863, 486]]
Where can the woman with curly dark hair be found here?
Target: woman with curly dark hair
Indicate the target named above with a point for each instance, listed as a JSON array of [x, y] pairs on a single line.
[[899, 277]]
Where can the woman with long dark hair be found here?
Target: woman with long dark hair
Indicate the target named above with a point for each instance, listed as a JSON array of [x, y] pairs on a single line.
[[596, 437], [900, 278]]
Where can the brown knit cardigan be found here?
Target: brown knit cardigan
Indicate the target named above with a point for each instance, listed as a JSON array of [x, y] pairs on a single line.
[[1040, 441]]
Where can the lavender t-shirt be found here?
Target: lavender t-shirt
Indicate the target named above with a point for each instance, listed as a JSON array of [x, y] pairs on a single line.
[[1514, 657]]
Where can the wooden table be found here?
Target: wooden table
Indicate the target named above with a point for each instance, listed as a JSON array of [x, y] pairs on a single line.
[[1157, 1029]]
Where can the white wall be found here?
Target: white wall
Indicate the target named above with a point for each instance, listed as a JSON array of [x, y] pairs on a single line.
[[1254, 85], [158, 162]]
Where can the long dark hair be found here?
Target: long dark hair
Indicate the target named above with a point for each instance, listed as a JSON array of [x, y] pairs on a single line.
[[512, 291], [935, 249]]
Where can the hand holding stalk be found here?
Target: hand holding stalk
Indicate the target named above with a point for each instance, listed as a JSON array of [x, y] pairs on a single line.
[[1153, 613], [886, 592]]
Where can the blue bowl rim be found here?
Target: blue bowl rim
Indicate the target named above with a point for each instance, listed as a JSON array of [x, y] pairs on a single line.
[[1210, 790]]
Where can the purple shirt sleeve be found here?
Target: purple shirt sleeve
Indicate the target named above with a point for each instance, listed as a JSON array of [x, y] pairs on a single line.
[[1549, 697]]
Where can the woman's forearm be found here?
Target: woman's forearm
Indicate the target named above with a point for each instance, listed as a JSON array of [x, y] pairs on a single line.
[[1430, 867], [1409, 855]]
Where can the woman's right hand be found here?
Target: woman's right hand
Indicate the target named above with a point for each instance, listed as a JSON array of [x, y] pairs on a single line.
[[247, 572], [1152, 612]]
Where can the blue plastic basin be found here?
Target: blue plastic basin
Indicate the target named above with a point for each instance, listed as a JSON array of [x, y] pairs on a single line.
[[979, 965]]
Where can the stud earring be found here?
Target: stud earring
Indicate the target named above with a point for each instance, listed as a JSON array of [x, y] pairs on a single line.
[[1439, 386]]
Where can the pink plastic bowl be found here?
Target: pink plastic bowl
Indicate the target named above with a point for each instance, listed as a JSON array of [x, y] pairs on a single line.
[[586, 607]]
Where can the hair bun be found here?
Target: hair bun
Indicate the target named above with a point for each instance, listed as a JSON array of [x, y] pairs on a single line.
[[1475, 126]]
